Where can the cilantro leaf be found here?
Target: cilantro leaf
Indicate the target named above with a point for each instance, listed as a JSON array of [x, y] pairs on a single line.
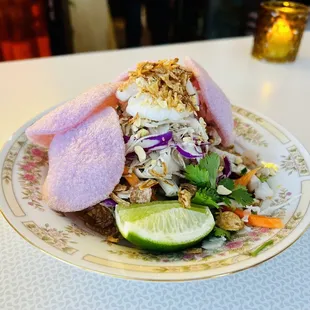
[[211, 192], [226, 200], [238, 186], [206, 197], [211, 163], [228, 183], [197, 176], [219, 232], [242, 196], [243, 171]]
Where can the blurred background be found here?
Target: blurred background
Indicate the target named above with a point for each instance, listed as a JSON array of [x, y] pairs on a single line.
[[40, 28]]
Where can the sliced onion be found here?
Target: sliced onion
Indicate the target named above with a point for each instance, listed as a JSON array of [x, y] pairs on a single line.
[[187, 154], [110, 203], [227, 167], [156, 147], [156, 142], [150, 143], [131, 156], [202, 143], [162, 137]]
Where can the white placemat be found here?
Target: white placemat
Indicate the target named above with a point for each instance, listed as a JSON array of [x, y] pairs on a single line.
[[30, 279]]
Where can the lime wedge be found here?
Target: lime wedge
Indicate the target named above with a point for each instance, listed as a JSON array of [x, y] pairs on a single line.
[[164, 225]]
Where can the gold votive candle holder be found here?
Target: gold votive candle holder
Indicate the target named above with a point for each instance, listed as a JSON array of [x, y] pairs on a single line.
[[279, 29]]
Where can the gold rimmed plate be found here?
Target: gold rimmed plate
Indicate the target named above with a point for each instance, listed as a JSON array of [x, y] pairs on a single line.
[[24, 167]]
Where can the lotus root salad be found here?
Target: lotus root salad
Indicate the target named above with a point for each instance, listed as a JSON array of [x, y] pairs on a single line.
[[150, 158]]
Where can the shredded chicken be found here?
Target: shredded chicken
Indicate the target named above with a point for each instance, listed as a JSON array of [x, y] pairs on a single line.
[[99, 219], [138, 195]]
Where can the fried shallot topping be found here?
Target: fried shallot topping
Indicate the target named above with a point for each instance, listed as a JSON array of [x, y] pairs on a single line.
[[166, 81]]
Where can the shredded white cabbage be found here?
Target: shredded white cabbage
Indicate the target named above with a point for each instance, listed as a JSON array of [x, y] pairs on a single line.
[[165, 162], [170, 188], [261, 189], [232, 158], [237, 168], [246, 214], [213, 243]]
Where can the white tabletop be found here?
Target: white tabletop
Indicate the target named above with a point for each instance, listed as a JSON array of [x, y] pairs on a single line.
[[30, 279]]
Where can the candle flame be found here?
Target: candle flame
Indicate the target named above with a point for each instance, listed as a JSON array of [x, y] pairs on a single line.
[[279, 39], [282, 28]]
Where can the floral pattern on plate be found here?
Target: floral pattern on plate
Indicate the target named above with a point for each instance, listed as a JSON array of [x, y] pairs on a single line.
[[249, 133], [30, 175], [294, 162], [10, 159], [24, 167], [56, 238], [74, 229]]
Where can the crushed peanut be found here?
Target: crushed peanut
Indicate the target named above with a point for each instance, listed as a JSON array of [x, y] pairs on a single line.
[[140, 153], [229, 221], [222, 190]]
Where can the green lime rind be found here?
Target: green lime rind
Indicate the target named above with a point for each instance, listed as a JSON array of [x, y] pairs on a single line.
[[150, 245], [164, 226]]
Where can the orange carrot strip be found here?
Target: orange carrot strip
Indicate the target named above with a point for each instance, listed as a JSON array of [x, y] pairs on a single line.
[[239, 212], [131, 178], [265, 221], [126, 170], [261, 220], [245, 179]]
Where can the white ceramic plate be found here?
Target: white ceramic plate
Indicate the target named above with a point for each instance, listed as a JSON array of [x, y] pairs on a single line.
[[24, 166]]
